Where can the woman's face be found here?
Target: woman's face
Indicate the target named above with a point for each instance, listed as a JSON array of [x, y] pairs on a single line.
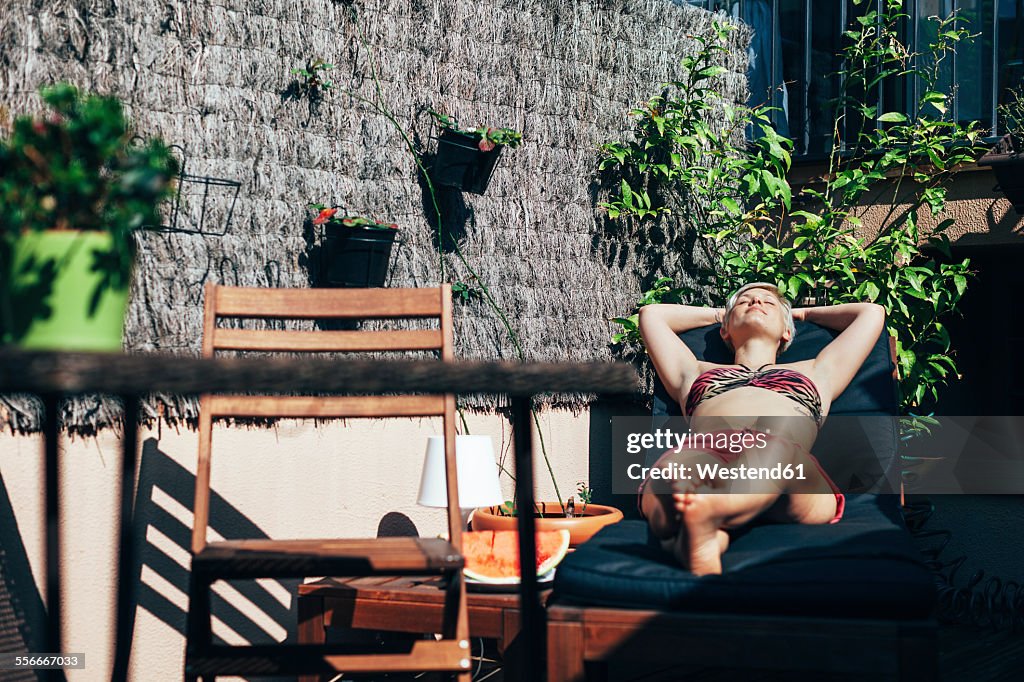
[[757, 311]]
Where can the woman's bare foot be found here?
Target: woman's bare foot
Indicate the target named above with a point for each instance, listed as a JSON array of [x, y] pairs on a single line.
[[700, 542]]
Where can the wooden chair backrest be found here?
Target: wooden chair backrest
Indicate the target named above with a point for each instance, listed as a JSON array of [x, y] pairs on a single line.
[[350, 304]]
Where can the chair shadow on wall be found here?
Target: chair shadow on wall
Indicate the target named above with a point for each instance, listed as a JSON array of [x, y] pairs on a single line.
[[22, 613], [163, 535]]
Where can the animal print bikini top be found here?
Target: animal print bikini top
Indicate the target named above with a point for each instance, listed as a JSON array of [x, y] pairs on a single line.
[[787, 382]]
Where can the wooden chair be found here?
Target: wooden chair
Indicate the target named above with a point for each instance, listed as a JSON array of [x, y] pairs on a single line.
[[264, 558]]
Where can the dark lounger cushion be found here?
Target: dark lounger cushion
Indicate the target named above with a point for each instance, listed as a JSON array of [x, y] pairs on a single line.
[[864, 566]]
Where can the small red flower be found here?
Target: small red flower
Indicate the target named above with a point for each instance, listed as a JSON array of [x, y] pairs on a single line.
[[324, 216], [486, 144], [393, 226]]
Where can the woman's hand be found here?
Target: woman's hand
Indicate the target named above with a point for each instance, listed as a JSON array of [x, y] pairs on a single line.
[[838, 316]]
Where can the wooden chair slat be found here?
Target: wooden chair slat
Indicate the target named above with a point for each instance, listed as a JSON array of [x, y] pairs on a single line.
[[327, 341], [325, 407], [283, 558], [288, 659], [332, 546], [327, 303]]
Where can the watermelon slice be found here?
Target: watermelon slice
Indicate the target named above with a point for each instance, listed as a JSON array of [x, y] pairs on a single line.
[[492, 556]]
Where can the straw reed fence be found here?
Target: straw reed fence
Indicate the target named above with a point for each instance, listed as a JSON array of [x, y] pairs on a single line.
[[213, 77]]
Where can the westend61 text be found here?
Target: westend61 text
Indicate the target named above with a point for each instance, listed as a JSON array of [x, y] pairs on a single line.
[[704, 471], [665, 439]]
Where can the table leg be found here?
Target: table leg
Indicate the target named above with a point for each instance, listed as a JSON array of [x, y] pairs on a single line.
[[125, 621], [566, 638], [532, 626]]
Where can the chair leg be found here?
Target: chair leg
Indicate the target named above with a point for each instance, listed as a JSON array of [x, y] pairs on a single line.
[[198, 633], [455, 616], [311, 627]]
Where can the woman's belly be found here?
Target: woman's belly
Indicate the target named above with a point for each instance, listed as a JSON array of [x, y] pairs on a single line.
[[758, 409]]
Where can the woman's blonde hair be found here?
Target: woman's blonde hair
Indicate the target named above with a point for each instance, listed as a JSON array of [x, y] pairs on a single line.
[[787, 309]]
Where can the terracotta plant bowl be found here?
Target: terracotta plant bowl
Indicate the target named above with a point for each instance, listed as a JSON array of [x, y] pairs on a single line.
[[581, 528]]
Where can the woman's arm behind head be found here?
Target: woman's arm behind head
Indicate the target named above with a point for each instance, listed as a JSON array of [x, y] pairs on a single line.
[[660, 325], [859, 324]]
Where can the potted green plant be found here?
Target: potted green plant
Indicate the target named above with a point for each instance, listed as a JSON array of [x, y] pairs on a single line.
[[355, 250], [581, 520], [466, 156], [73, 190], [1007, 157]]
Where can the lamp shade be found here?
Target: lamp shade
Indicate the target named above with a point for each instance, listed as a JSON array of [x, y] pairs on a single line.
[[477, 473]]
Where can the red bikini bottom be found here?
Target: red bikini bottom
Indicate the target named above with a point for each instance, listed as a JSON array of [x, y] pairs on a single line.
[[727, 456]]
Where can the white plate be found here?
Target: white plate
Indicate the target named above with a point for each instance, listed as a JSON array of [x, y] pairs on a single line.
[[543, 581]]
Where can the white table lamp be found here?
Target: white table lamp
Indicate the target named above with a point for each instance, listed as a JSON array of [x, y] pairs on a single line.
[[477, 474]]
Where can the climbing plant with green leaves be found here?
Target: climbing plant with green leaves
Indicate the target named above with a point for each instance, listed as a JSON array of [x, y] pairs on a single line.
[[752, 227]]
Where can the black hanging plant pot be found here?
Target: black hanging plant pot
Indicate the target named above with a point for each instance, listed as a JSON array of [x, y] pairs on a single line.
[[466, 157], [355, 251], [1007, 161], [461, 163]]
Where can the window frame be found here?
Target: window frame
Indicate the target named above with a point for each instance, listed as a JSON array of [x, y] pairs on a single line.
[[734, 9]]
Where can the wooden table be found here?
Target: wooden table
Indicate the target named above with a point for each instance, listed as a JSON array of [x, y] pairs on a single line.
[[54, 375], [402, 604]]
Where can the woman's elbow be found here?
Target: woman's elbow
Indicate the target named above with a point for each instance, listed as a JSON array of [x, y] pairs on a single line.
[[648, 314], [645, 317], [876, 313]]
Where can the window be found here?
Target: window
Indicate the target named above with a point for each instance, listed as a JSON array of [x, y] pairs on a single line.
[[793, 62]]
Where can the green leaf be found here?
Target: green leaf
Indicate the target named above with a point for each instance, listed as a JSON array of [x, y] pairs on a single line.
[[907, 360], [936, 99], [793, 287], [941, 242], [961, 284], [627, 194], [871, 291], [709, 72], [892, 117]]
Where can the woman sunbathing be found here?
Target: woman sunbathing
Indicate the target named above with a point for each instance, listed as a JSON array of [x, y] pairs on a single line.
[[778, 408]]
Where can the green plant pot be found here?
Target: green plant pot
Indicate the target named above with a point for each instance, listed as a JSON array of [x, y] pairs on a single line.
[[66, 292]]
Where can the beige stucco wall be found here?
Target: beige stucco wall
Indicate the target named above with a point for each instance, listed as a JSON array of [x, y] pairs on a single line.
[[982, 215], [294, 480]]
